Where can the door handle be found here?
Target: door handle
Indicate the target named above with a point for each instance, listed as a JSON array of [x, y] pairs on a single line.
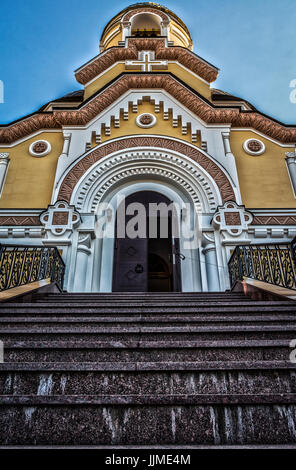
[[139, 269]]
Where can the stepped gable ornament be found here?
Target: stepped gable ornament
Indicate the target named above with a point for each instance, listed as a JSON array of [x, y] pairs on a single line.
[[77, 171], [60, 218], [232, 219], [209, 114]]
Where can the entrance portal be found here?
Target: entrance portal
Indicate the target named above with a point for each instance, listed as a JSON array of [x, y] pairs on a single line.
[[150, 262]]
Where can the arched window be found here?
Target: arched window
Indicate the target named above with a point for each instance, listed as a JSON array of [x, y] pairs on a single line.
[[146, 25]]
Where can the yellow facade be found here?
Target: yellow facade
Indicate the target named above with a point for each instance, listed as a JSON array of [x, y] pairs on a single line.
[[29, 180], [180, 72], [105, 78], [264, 180]]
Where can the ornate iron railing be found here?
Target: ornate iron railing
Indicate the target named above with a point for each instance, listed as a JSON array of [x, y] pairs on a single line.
[[274, 263], [20, 265]]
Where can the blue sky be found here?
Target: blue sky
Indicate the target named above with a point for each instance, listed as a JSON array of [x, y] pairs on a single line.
[[253, 42]]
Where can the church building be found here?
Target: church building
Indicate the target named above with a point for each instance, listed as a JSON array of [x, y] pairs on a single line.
[[149, 125], [147, 256]]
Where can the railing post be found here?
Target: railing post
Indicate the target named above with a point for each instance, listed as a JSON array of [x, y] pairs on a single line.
[[293, 250], [240, 263]]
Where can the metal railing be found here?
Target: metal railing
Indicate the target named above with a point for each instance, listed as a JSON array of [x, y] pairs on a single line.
[[273, 263], [20, 265]]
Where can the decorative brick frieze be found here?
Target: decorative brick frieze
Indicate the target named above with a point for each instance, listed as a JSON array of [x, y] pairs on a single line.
[[274, 220], [176, 53], [22, 220]]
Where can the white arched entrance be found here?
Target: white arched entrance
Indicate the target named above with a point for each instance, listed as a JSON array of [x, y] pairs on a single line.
[[123, 172], [190, 266]]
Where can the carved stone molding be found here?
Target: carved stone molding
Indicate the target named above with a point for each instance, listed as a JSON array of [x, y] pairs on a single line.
[[59, 219], [186, 97], [163, 165], [149, 172], [232, 220], [76, 172], [22, 220]]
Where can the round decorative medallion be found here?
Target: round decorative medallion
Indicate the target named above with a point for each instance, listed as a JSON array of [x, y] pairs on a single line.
[[40, 148], [146, 120], [254, 147]]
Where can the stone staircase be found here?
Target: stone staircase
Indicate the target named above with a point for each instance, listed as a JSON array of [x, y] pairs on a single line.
[[157, 369]]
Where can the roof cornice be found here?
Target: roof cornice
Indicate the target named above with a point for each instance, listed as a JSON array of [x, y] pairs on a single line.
[[109, 57], [202, 108]]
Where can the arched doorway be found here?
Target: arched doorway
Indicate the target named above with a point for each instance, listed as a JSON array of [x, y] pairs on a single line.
[[146, 249]]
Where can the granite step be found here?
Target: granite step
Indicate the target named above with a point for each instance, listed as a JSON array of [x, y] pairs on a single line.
[[90, 309], [107, 369], [236, 377], [84, 335], [146, 320], [153, 352], [94, 423]]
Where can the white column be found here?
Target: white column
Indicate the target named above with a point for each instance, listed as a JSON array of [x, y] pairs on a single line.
[[127, 29], [291, 165], [82, 256], [4, 161], [164, 25], [209, 252]]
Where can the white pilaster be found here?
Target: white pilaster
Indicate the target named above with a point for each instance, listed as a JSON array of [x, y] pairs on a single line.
[[291, 165], [82, 257], [210, 255], [4, 162], [66, 146]]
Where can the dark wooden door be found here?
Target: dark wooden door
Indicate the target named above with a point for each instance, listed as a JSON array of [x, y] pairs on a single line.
[[131, 265]]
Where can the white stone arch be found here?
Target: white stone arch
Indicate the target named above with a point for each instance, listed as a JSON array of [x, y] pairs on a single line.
[[129, 18], [147, 18], [179, 170], [132, 167], [181, 179]]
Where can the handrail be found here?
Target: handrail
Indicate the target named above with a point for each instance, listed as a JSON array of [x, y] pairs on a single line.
[[20, 265], [274, 263]]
